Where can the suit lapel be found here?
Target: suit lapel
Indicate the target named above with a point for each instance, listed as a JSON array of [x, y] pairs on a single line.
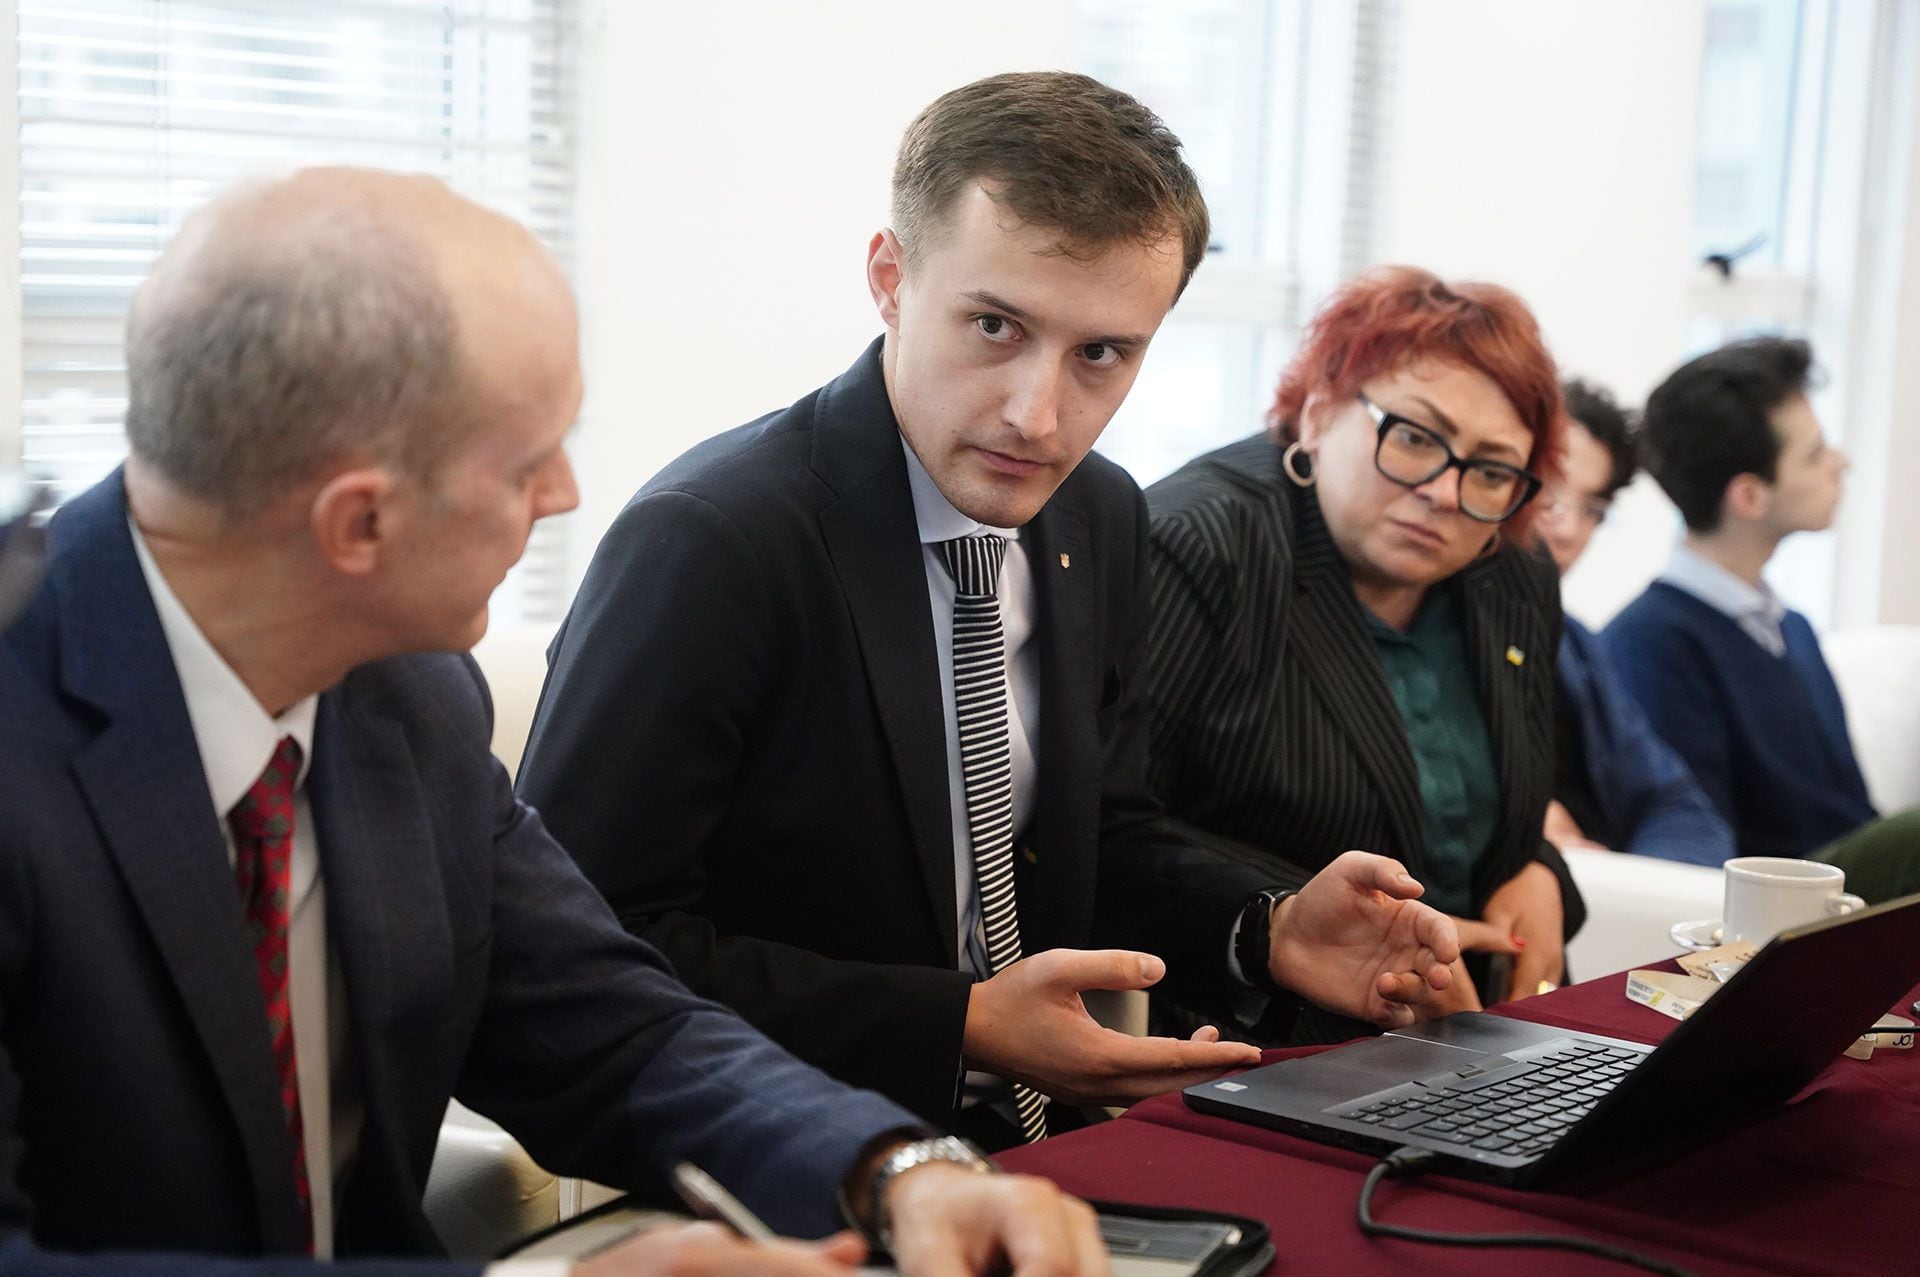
[[1337, 651], [874, 542], [386, 903], [144, 782], [1058, 907]]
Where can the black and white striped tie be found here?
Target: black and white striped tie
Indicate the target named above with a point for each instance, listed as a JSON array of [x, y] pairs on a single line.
[[986, 761]]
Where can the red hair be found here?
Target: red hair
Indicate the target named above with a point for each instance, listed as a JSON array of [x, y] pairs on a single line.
[[1390, 316]]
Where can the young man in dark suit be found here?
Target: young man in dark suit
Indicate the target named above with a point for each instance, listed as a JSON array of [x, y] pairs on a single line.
[[847, 716], [266, 901]]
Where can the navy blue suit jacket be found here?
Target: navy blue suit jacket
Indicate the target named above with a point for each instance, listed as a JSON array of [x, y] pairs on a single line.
[[138, 1101], [1651, 803]]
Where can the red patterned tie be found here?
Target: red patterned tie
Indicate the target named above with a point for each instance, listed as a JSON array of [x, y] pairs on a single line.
[[263, 862]]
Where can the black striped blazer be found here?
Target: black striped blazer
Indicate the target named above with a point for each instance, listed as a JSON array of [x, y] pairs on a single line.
[[1274, 728]]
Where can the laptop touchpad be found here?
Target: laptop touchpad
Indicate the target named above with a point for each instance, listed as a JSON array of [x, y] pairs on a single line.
[[1358, 1069]]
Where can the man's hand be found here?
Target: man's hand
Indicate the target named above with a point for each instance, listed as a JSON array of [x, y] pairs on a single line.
[[1355, 940], [1029, 1024], [708, 1250], [1528, 905], [948, 1221], [1459, 995]]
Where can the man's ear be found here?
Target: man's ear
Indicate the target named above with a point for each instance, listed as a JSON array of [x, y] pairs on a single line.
[[1748, 497], [351, 518], [886, 268]]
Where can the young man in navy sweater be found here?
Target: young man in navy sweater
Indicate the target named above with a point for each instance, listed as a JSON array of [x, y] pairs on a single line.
[[1730, 677]]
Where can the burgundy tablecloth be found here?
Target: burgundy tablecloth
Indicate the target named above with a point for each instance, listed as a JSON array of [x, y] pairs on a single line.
[[1828, 1184]]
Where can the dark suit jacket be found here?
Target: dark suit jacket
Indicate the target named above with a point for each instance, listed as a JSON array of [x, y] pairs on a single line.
[[139, 1106], [1642, 797], [741, 741], [1273, 723]]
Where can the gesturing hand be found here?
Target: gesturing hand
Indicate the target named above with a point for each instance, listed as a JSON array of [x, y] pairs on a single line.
[[1029, 1024], [1356, 940]]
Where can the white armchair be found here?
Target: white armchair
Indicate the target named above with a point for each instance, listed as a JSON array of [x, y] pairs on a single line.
[[1878, 670], [514, 660], [484, 1191], [1631, 902]]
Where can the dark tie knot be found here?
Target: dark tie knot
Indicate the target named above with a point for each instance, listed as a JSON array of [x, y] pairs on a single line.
[[974, 562], [266, 811]]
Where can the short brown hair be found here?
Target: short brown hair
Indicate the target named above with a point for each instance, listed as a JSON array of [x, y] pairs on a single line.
[[1063, 151]]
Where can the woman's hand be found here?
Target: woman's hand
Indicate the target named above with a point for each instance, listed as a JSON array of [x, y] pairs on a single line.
[[1528, 907], [1562, 830]]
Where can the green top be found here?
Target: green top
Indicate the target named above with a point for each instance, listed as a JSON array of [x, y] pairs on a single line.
[[1433, 684]]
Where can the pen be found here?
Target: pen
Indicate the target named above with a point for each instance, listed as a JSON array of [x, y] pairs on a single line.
[[704, 1197]]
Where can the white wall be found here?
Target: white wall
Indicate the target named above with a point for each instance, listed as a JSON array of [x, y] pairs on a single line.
[[1548, 146], [735, 160], [1899, 585]]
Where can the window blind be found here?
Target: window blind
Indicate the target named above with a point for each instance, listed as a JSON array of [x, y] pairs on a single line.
[[1284, 108], [133, 112]]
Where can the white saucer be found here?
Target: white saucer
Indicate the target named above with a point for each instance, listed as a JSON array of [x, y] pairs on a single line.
[[1699, 935]]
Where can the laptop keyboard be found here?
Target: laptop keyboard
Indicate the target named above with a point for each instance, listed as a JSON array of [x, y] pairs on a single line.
[[1519, 1107]]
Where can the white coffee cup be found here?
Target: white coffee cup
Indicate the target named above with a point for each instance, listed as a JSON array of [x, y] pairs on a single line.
[[1768, 894]]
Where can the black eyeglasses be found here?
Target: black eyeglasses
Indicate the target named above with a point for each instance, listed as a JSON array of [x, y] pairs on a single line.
[[1592, 512], [1410, 454]]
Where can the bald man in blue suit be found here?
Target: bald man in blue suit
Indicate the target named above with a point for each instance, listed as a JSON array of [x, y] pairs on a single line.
[[349, 395]]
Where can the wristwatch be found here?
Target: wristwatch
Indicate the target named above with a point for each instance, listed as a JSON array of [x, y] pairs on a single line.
[[1253, 944], [876, 1226]]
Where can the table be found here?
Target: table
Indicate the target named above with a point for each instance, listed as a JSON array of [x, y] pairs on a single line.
[[1828, 1184]]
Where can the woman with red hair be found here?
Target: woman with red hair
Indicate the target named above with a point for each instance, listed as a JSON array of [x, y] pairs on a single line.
[[1352, 645]]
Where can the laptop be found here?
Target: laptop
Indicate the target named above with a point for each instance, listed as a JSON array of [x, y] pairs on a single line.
[[1519, 1103]]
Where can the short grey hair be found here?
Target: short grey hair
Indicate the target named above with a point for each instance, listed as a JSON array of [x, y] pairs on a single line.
[[250, 371]]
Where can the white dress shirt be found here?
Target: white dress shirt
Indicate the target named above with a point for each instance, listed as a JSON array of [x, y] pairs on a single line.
[[1755, 609], [236, 738], [939, 521]]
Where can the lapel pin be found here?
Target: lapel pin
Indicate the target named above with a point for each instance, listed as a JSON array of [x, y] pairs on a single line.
[[1066, 561], [1516, 657]]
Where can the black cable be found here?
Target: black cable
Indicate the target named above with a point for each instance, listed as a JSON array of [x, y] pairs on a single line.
[[1411, 1161]]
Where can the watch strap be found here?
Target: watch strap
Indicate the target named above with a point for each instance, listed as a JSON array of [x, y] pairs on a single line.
[[1253, 943]]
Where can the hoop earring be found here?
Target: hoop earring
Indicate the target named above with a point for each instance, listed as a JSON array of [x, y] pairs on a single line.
[[1298, 465]]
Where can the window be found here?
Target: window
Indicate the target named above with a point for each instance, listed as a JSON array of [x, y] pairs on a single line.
[[1283, 107], [132, 112], [1750, 78], [1797, 140]]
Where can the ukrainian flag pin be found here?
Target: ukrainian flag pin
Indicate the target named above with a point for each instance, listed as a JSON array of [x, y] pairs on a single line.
[[1516, 657]]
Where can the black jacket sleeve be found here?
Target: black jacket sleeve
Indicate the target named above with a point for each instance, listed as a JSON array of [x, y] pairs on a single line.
[[650, 728]]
